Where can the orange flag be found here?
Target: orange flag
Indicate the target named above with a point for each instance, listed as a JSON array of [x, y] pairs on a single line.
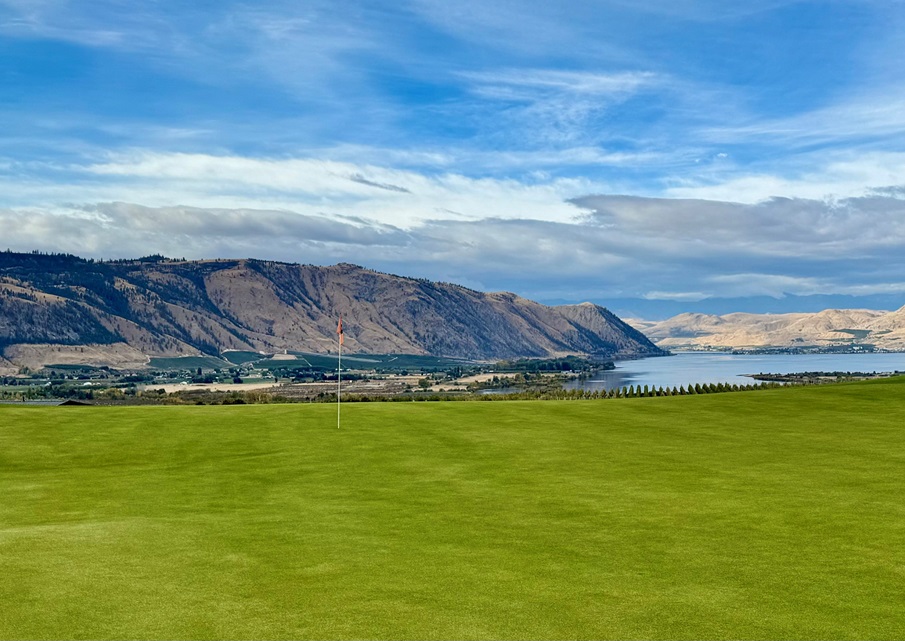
[[339, 330]]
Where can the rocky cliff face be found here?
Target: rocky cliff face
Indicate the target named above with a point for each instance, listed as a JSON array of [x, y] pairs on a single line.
[[161, 307]]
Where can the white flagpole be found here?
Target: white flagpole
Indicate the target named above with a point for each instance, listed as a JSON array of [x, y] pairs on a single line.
[[339, 371]]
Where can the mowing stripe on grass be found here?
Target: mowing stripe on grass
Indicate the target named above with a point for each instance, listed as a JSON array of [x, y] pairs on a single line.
[[762, 515]]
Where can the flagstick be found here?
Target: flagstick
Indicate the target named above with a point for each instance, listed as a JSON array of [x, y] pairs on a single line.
[[339, 376]]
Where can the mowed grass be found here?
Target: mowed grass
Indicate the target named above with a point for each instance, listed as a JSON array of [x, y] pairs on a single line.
[[772, 514]]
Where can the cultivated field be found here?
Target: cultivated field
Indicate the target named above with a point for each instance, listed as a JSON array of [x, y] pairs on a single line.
[[775, 514]]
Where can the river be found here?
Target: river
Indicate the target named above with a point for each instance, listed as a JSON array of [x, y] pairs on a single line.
[[713, 367]]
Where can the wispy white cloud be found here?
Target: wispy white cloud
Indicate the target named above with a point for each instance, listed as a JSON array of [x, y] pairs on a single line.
[[528, 27], [527, 84], [542, 162], [556, 106], [676, 296], [111, 24], [309, 186], [779, 285], [703, 10], [873, 113], [816, 176]]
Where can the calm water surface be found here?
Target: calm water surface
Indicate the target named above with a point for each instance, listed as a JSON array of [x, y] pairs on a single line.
[[709, 367]]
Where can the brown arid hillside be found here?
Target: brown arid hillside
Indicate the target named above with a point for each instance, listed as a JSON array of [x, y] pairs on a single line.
[[64, 309], [826, 330]]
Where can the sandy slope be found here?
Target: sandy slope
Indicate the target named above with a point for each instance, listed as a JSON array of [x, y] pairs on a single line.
[[884, 330]]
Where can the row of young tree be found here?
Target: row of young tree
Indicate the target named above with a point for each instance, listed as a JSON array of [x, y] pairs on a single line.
[[698, 388], [260, 396], [631, 391]]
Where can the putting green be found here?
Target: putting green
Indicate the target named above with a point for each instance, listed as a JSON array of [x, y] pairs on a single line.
[[772, 514]]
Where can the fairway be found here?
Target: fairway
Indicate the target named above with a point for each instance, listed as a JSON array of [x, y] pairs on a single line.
[[770, 514]]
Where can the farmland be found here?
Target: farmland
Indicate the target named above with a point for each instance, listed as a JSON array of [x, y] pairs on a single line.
[[774, 514]]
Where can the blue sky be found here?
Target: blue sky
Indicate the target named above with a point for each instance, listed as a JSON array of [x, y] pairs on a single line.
[[675, 151]]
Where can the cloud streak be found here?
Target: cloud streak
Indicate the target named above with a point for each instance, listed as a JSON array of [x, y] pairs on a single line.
[[310, 186], [620, 247]]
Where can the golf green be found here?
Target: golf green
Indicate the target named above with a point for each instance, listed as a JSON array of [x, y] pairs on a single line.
[[771, 514]]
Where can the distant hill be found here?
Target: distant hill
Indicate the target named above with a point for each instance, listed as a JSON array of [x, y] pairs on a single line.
[[63, 309], [827, 330]]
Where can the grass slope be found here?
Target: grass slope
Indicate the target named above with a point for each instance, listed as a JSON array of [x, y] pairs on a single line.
[[775, 514]]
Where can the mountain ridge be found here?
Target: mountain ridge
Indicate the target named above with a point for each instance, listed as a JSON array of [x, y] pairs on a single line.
[[825, 330], [130, 309]]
